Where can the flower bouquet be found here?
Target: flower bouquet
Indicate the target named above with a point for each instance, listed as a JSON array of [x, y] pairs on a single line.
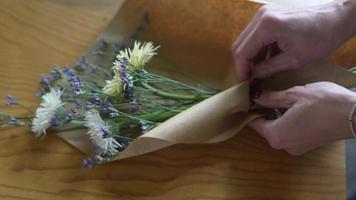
[[132, 102]]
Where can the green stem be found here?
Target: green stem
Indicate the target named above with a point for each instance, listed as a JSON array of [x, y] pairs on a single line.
[[25, 107], [174, 96], [168, 80], [158, 116], [29, 116], [74, 124]]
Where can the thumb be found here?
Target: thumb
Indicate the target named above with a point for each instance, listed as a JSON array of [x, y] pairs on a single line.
[[265, 128], [278, 63]]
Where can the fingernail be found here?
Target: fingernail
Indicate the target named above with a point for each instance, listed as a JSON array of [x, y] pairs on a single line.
[[255, 91], [257, 94]]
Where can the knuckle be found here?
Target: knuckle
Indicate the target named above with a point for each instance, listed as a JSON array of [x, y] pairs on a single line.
[[238, 54], [295, 91], [275, 142], [262, 10], [234, 46], [275, 145], [295, 152], [270, 18]]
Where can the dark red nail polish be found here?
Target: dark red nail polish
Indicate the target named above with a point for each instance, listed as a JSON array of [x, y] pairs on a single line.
[[257, 94], [255, 91]]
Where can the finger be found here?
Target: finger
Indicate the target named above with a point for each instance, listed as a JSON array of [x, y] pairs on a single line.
[[268, 130], [248, 29], [243, 69], [262, 55], [277, 99], [265, 128], [249, 49], [278, 63]]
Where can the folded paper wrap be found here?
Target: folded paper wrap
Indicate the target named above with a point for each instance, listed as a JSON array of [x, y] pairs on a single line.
[[189, 34]]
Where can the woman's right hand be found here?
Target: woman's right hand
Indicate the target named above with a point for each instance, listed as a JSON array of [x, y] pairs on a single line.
[[317, 114], [303, 35]]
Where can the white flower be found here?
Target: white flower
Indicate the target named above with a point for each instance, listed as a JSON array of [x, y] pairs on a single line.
[[99, 133], [114, 86], [50, 103], [138, 56]]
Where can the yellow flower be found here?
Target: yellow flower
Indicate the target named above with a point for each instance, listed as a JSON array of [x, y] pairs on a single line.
[[138, 56], [114, 86]]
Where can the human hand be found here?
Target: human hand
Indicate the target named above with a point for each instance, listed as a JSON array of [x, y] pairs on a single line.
[[302, 35], [317, 114]]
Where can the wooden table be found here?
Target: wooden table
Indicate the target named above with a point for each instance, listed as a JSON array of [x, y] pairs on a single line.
[[34, 34]]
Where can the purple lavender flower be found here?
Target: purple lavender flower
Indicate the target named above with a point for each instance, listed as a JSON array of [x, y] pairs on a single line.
[[68, 117], [75, 81], [54, 121], [77, 104], [55, 73], [95, 100], [105, 132], [10, 100], [46, 80], [73, 111], [100, 48], [126, 79], [123, 63], [143, 126], [88, 105], [133, 106], [105, 107], [88, 163], [83, 64]]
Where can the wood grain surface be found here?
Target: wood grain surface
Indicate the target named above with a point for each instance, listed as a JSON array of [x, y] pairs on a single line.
[[35, 34]]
